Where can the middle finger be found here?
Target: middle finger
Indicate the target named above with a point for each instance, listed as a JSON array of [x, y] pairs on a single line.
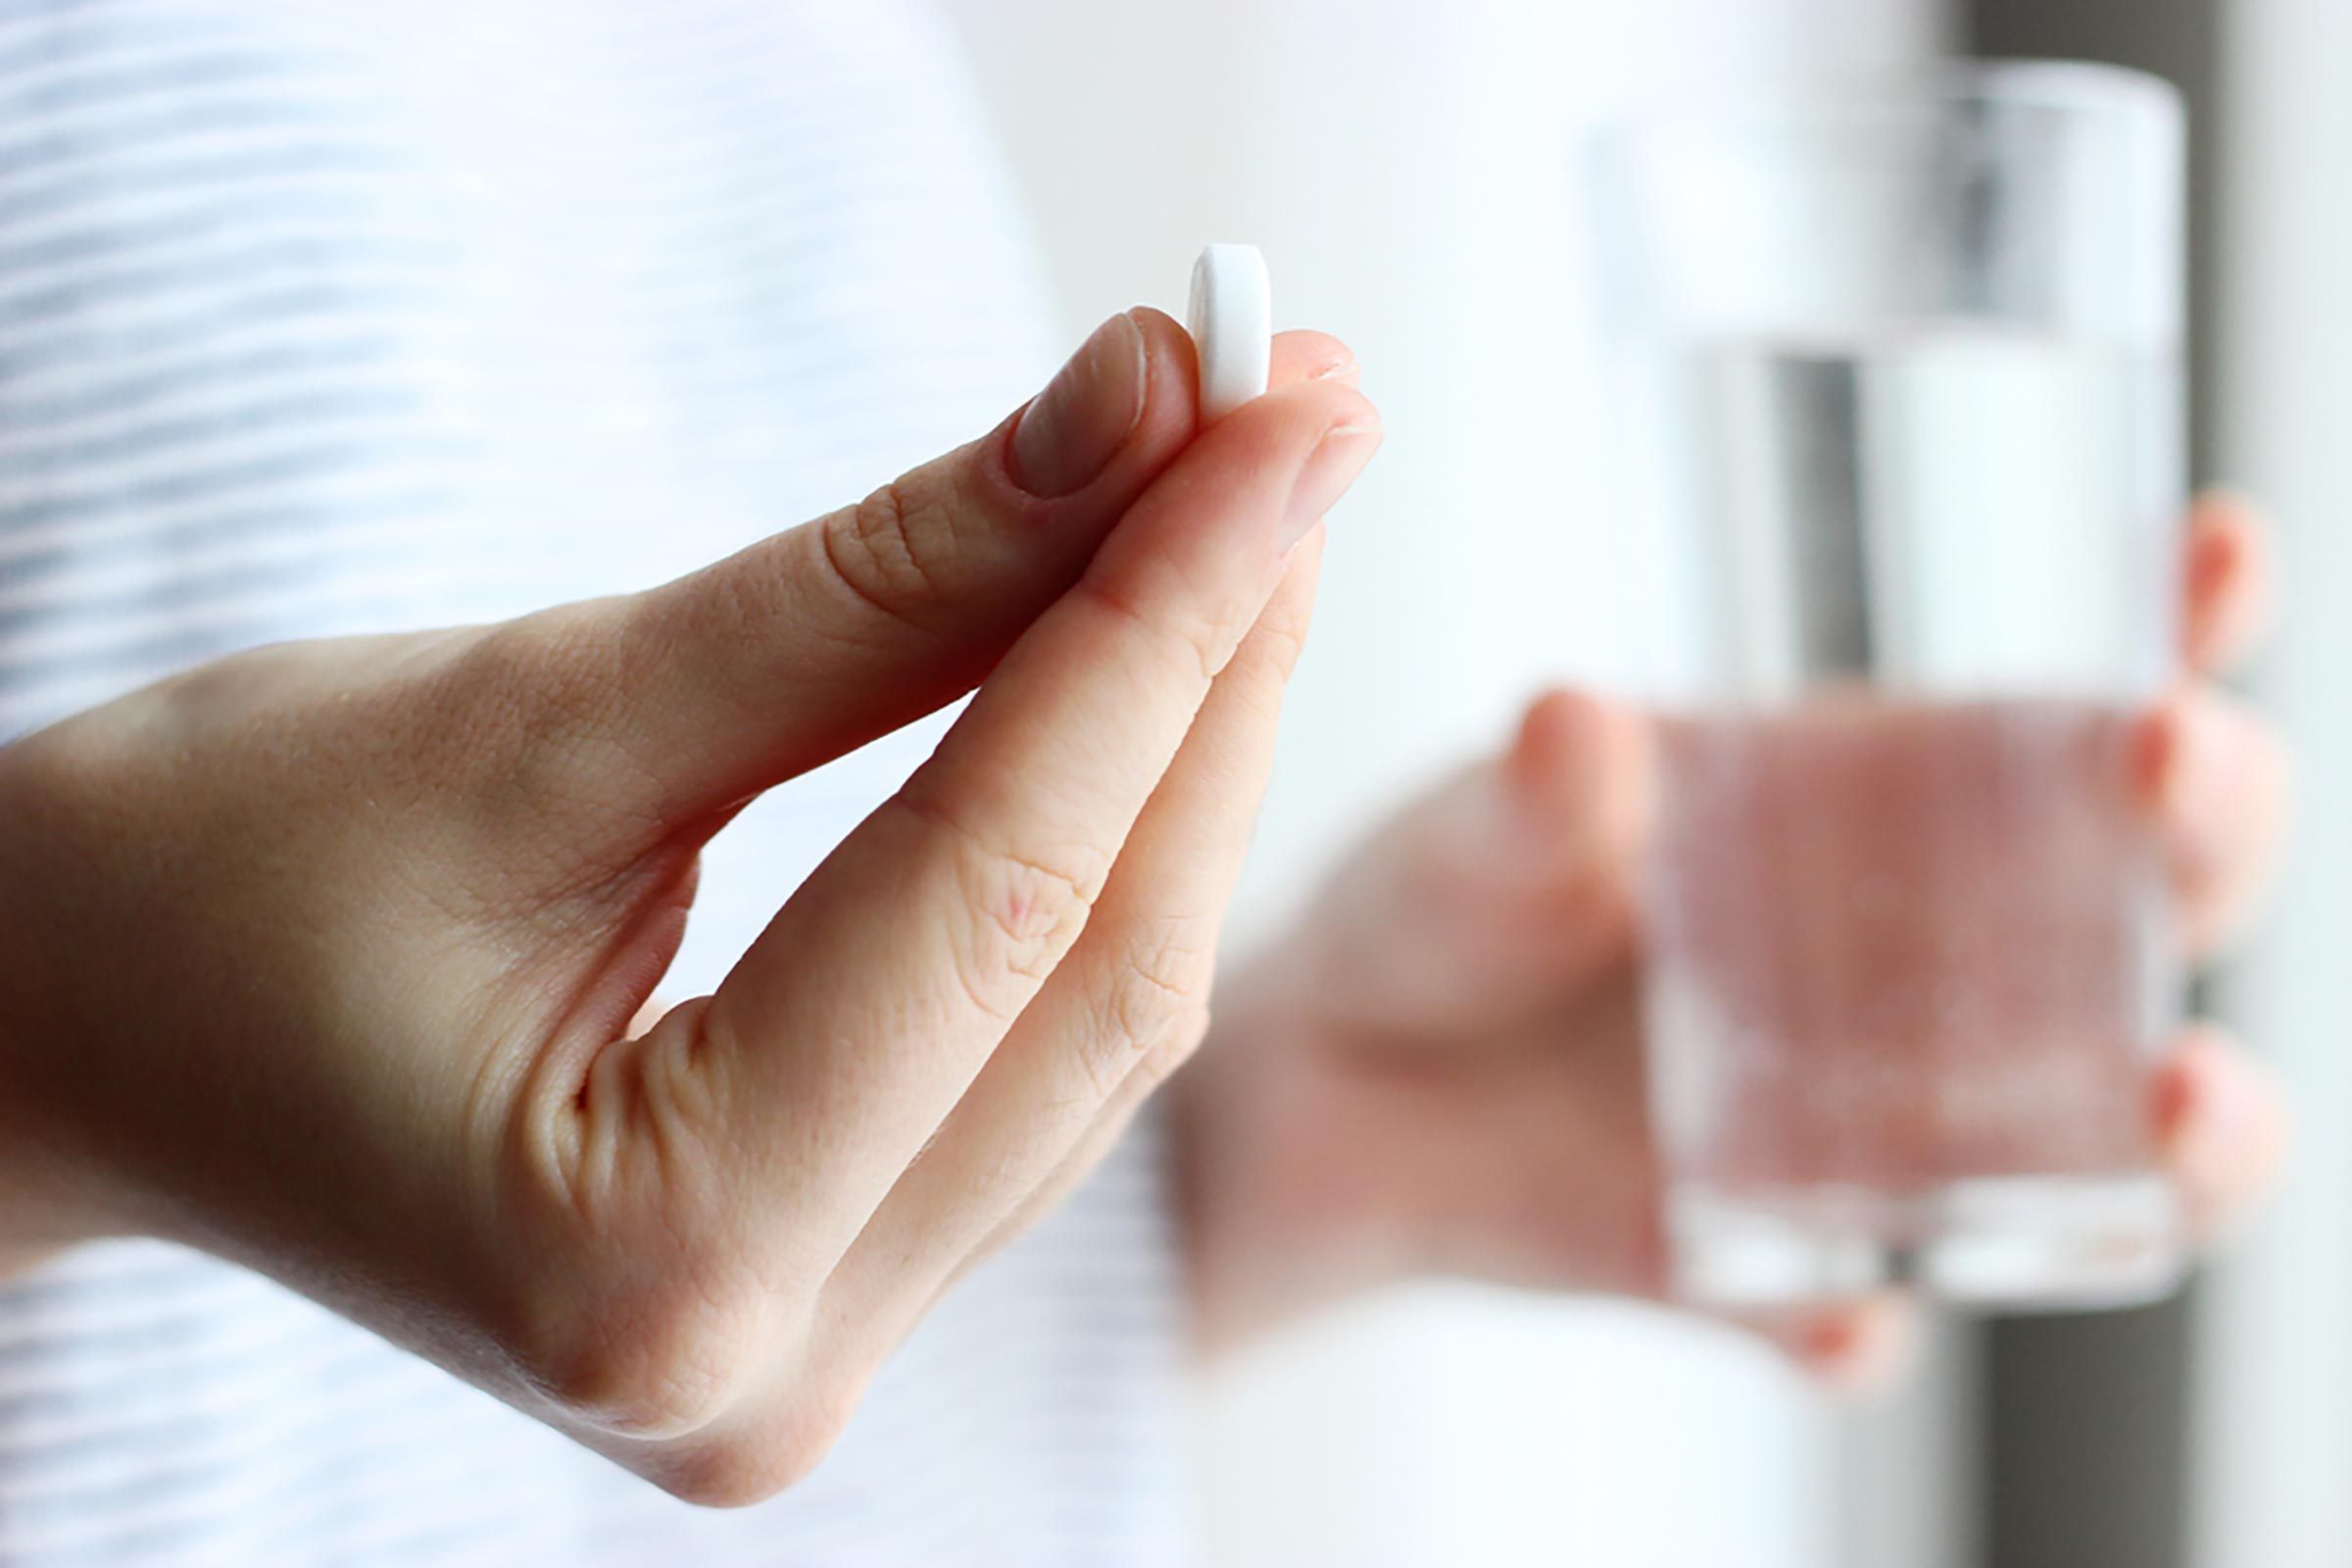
[[2213, 776]]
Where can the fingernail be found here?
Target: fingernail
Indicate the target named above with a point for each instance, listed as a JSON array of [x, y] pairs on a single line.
[[2151, 754], [2174, 753], [2201, 746], [1330, 470], [1343, 370], [1070, 432], [1858, 1352], [2172, 1096]]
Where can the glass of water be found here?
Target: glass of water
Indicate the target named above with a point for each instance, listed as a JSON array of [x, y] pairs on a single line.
[[1899, 370]]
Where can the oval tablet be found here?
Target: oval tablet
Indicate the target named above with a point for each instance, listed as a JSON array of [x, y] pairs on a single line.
[[1232, 322]]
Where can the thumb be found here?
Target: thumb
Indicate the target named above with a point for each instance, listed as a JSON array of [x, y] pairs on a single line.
[[813, 642], [1504, 892]]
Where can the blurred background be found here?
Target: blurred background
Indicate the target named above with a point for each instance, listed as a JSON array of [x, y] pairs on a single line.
[[1405, 167]]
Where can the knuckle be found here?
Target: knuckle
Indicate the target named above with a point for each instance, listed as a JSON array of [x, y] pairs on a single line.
[[1024, 917], [896, 550], [1199, 640], [732, 605], [522, 684], [1156, 1002], [1019, 914], [528, 716], [1029, 903]]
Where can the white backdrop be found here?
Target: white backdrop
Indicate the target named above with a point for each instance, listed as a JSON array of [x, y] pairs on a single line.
[[1404, 167], [2274, 1439]]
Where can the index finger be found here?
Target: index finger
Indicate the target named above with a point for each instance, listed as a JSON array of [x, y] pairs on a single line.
[[852, 1026]]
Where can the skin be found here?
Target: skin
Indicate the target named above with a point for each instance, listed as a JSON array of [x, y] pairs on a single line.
[[1439, 1069], [339, 944]]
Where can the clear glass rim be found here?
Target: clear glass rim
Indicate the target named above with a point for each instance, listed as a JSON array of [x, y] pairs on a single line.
[[2084, 90]]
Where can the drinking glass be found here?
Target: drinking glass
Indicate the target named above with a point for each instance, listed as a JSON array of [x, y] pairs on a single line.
[[1898, 369]]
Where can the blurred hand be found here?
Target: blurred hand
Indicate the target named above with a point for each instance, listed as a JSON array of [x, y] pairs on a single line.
[[321, 956], [1441, 1070]]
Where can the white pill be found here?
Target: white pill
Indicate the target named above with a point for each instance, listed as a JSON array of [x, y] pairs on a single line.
[[1232, 321]]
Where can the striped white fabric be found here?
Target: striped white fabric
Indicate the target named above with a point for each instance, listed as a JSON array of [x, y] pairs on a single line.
[[319, 317]]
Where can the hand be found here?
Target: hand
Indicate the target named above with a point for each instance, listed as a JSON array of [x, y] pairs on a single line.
[[321, 956], [1441, 1070]]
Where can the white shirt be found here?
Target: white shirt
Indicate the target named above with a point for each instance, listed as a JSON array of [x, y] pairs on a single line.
[[324, 317]]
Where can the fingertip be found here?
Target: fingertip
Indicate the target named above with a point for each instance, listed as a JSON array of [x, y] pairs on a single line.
[[1299, 355], [2214, 781], [2191, 756], [1578, 776], [1093, 435], [1172, 384], [1557, 732], [2223, 1127], [1304, 355], [2171, 1096], [2154, 749], [1328, 416], [1865, 1350], [1281, 432], [1855, 1348], [2229, 582]]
